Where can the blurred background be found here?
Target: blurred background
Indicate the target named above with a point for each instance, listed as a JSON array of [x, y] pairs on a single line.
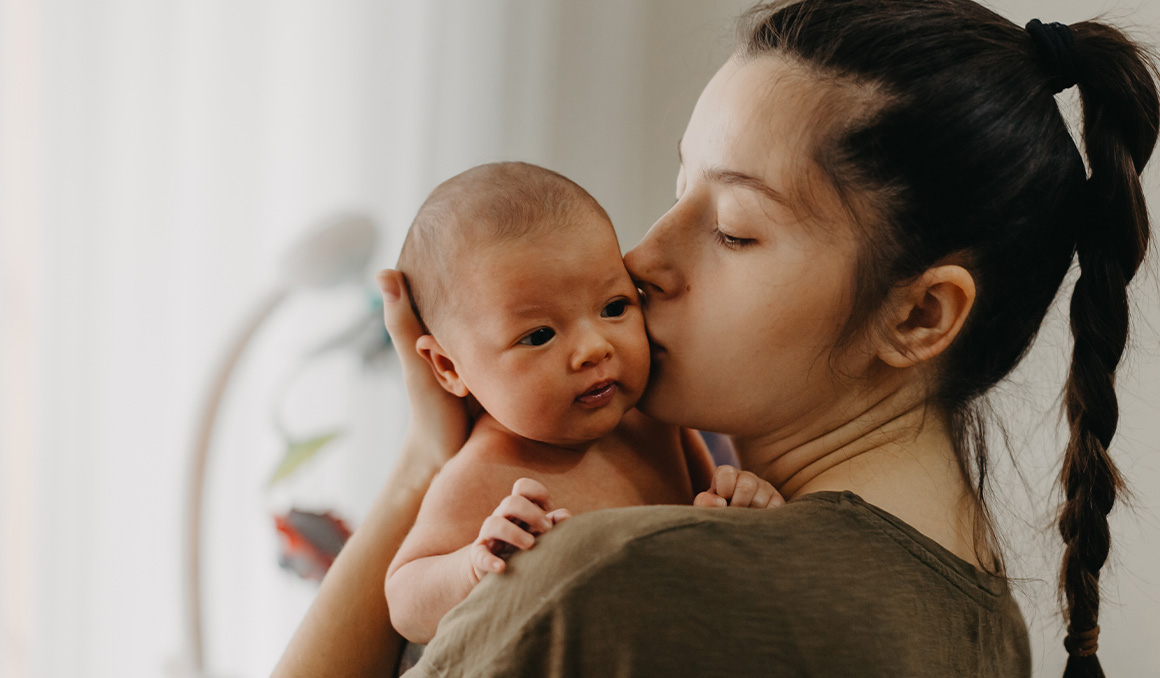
[[158, 158]]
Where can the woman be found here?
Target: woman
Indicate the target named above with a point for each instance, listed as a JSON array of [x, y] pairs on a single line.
[[877, 203]]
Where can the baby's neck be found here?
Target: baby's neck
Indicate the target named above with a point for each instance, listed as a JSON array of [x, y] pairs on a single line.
[[490, 423]]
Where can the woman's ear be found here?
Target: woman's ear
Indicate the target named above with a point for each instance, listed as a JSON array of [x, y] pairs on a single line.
[[441, 364], [924, 316]]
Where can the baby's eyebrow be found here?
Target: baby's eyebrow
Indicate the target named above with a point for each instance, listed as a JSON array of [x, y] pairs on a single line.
[[528, 310]]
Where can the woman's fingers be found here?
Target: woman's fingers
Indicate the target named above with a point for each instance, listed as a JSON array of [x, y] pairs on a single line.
[[401, 323], [440, 421]]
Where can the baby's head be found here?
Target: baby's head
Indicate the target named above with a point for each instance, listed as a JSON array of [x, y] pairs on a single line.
[[516, 273]]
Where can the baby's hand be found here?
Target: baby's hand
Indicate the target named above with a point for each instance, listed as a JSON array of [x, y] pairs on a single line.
[[514, 525], [731, 487]]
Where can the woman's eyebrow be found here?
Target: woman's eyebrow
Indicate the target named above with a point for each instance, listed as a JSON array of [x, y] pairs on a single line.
[[732, 178]]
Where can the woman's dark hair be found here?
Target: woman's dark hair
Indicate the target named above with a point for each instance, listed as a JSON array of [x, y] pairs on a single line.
[[966, 158]]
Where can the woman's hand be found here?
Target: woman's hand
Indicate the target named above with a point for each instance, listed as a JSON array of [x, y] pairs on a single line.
[[733, 487], [440, 422]]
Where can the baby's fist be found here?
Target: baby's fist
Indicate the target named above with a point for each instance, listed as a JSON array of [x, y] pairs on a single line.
[[513, 526], [733, 487]]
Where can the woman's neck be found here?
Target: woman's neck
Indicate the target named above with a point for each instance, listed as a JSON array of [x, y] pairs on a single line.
[[894, 451]]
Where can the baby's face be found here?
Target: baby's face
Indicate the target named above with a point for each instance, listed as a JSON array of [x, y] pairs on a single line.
[[549, 336]]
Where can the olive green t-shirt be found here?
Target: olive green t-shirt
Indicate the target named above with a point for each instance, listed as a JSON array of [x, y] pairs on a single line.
[[826, 585]]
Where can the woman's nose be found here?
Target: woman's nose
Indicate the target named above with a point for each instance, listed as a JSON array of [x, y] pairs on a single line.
[[650, 263], [592, 348]]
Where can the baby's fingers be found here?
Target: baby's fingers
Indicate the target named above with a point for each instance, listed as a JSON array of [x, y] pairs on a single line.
[[484, 561], [497, 531], [744, 490], [534, 491], [559, 515], [766, 496], [524, 513], [709, 500], [724, 481]]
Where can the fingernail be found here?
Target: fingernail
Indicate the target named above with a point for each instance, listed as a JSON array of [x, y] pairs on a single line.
[[389, 287], [720, 501]]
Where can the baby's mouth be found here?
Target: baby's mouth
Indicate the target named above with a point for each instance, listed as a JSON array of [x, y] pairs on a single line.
[[600, 393]]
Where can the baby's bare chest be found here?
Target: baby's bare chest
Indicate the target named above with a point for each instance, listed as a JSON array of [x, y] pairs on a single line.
[[611, 480]]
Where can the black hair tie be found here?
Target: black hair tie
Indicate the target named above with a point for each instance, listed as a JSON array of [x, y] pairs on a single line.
[[1055, 44], [1083, 644]]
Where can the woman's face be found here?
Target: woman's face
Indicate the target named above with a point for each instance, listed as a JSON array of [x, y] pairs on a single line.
[[749, 275]]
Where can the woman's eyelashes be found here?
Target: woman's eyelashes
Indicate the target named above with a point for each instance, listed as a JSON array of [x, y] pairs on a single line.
[[538, 336], [732, 242]]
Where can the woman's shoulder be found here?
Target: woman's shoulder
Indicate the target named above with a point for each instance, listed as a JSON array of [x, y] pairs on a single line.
[[827, 581], [825, 534]]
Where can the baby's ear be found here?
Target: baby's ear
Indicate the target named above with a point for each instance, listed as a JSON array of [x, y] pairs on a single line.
[[441, 364], [924, 316]]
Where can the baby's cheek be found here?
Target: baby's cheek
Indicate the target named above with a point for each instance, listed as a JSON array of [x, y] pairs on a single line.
[[637, 360]]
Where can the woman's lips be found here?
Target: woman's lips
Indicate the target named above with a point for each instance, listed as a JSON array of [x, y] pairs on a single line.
[[599, 394]]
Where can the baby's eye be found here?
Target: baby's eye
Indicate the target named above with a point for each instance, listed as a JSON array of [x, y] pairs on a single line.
[[538, 337], [614, 309]]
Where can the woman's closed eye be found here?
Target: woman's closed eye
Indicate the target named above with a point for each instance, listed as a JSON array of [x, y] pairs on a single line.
[[614, 309], [538, 336], [730, 241]]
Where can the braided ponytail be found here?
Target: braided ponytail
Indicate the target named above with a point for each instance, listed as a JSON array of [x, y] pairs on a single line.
[[968, 156], [1120, 128]]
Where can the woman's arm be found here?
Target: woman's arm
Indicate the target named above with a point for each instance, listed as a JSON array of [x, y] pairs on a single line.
[[347, 630]]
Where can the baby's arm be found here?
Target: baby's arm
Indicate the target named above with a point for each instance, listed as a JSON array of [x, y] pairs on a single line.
[[447, 553], [733, 487]]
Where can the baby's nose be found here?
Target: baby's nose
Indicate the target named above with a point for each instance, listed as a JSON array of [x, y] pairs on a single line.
[[592, 348]]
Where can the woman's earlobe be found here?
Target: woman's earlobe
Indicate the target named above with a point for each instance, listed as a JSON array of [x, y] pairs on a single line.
[[441, 364], [927, 314]]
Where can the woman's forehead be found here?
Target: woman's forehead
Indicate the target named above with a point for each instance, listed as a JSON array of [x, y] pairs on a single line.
[[754, 117], [764, 117]]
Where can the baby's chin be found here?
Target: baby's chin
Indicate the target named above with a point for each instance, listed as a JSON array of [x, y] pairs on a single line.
[[583, 433]]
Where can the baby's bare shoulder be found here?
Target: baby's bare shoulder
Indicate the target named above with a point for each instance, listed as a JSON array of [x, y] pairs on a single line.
[[482, 473]]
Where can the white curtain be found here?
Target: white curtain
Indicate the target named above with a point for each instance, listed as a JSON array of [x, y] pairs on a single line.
[[158, 156]]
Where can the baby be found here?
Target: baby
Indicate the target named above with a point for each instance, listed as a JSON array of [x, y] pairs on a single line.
[[517, 275]]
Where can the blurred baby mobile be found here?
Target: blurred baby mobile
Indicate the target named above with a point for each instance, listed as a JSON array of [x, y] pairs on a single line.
[[337, 252]]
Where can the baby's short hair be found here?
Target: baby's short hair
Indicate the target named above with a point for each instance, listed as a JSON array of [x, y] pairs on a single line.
[[486, 205]]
